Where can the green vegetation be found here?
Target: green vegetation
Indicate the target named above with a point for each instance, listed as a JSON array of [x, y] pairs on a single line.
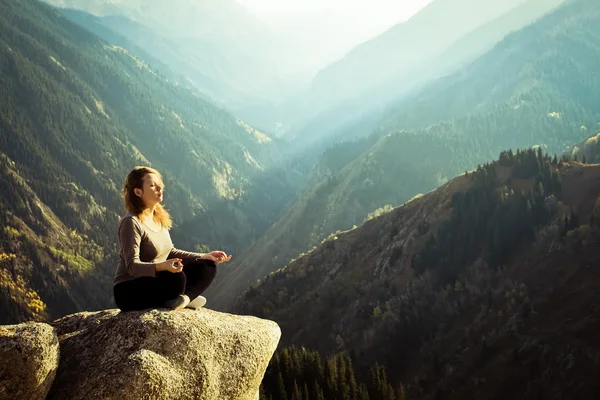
[[538, 87], [301, 374], [76, 114], [493, 218], [462, 296], [459, 292]]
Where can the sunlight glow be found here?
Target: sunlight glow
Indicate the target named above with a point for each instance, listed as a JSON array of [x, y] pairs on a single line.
[[374, 12], [329, 28]]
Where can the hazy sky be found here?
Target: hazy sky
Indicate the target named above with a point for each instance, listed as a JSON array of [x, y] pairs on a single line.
[[372, 13], [332, 27]]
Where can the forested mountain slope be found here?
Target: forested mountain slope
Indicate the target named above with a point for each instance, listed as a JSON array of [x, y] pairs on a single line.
[[76, 114], [537, 87], [400, 61], [406, 45], [485, 287], [220, 46], [553, 57], [103, 29]]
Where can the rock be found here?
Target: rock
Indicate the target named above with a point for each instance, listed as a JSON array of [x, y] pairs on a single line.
[[28, 360], [162, 354]]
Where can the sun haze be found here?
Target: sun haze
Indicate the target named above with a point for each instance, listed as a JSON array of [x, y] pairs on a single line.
[[333, 26]]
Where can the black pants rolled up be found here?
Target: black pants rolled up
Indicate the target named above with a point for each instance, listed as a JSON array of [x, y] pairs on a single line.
[[153, 292]]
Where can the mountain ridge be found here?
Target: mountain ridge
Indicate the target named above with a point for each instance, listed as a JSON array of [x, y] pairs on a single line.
[[76, 114], [424, 279], [451, 126], [225, 51], [401, 83]]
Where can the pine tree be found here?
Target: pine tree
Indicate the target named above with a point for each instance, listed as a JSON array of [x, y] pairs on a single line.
[[287, 367], [343, 390], [351, 379], [305, 393], [381, 388], [280, 389], [539, 191], [363, 392], [331, 377], [318, 392], [401, 394], [296, 395]]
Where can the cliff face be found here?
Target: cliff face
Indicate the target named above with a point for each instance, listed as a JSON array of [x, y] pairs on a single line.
[[154, 354]]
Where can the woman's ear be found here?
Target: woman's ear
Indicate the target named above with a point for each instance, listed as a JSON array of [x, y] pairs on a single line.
[[137, 192]]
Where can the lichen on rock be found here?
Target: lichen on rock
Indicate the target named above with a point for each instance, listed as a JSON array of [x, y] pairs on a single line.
[[159, 354], [29, 355]]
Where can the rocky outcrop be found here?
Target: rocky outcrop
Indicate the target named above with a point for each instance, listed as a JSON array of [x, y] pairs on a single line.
[[158, 354], [29, 356]]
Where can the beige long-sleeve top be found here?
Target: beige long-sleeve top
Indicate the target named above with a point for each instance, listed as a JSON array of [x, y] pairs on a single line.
[[141, 249]]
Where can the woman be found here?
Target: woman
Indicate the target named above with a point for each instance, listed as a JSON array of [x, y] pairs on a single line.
[[151, 272]]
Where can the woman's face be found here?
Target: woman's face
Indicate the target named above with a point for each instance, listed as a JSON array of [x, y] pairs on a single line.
[[151, 192]]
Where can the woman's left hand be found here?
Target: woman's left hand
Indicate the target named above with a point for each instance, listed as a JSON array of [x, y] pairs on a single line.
[[217, 256]]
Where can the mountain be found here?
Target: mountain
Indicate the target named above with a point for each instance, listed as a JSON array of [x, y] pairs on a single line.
[[96, 7], [542, 57], [396, 51], [102, 28], [76, 114], [390, 66], [477, 42], [535, 88], [485, 287], [162, 54], [222, 49]]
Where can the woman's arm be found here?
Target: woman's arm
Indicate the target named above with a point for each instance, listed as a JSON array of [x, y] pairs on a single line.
[[130, 237], [186, 256]]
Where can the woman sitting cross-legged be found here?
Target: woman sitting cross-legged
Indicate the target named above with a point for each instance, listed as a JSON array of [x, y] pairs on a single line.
[[151, 272]]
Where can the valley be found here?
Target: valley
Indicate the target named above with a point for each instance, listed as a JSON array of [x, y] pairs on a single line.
[[420, 217], [513, 97], [76, 115]]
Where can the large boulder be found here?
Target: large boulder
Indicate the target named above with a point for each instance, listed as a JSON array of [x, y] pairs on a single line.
[[160, 354], [28, 360]]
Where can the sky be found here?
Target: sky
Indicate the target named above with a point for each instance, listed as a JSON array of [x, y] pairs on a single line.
[[372, 13], [330, 28]]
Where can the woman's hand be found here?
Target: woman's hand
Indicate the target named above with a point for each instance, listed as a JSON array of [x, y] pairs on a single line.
[[172, 265], [217, 256]]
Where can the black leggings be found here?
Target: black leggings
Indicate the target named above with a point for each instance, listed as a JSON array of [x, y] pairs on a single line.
[[149, 292]]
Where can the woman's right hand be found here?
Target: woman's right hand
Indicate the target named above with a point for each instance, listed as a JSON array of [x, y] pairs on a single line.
[[172, 265]]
